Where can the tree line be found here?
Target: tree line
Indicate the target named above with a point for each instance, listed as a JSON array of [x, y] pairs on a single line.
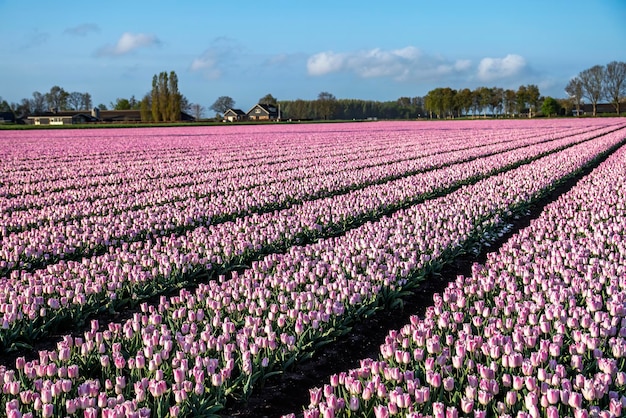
[[595, 84], [56, 99], [326, 106], [164, 102], [599, 83]]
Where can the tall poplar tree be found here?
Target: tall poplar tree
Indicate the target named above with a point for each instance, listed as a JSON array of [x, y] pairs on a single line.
[[145, 108], [166, 100], [174, 100], [155, 99], [164, 97]]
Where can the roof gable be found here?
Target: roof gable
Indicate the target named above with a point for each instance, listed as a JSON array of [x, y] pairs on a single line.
[[262, 108], [238, 112]]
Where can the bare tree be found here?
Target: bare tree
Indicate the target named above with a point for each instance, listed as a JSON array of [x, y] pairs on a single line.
[[56, 98], [75, 100], [87, 103], [592, 82], [23, 108], [615, 82], [38, 102], [222, 104], [197, 110], [575, 91]]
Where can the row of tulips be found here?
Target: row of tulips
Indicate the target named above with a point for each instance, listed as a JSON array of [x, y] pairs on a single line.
[[133, 176], [100, 153], [118, 166], [86, 235], [44, 164], [188, 353], [539, 330], [34, 303], [141, 187], [198, 179]]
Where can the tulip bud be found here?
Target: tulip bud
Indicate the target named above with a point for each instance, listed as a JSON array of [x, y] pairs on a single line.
[[448, 384], [354, 403]]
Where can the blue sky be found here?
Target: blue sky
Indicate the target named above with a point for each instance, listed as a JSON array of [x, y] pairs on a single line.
[[297, 49]]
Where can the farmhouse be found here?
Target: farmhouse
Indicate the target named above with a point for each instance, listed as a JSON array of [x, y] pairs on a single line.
[[61, 118], [72, 117], [258, 112], [263, 112], [234, 115]]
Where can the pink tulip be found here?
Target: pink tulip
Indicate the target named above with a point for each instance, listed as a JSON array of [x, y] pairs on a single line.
[[381, 411], [575, 400], [553, 396], [438, 410], [467, 405], [480, 413], [309, 413], [452, 412], [315, 396], [448, 383], [615, 407]]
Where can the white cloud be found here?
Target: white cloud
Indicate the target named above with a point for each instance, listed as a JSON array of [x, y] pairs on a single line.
[[207, 64], [129, 42], [490, 69], [399, 64], [222, 53], [462, 65], [325, 63]]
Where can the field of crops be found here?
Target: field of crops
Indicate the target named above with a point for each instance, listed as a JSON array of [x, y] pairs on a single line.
[[171, 271]]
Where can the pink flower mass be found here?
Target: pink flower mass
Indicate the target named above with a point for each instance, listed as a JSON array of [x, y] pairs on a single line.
[[234, 250]]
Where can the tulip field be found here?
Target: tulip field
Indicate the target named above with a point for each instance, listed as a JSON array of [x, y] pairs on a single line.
[[171, 271]]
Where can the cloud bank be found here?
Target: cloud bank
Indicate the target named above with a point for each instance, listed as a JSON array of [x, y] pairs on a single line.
[[128, 43], [490, 69], [411, 64], [399, 64]]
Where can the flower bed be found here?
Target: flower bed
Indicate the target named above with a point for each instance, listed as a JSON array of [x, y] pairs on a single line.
[[539, 330], [49, 230], [189, 352], [36, 302]]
